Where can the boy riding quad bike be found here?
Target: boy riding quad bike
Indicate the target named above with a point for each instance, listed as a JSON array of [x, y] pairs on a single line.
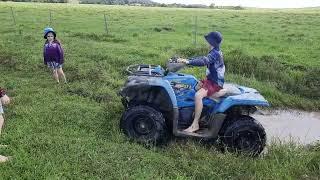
[[158, 103]]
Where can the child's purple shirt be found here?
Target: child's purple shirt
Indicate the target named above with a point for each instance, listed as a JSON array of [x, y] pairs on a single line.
[[53, 53]]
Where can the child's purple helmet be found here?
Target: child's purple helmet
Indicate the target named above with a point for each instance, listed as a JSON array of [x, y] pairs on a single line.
[[47, 30], [214, 38]]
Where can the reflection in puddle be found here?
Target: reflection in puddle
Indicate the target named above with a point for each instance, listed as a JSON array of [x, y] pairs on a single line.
[[290, 126]]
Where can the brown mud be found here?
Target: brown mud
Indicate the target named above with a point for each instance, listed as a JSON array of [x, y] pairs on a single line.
[[290, 126]]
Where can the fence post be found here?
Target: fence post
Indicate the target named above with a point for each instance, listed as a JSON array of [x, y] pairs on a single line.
[[13, 18], [106, 24], [50, 18]]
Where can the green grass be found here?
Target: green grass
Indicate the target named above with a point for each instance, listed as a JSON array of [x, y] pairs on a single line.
[[71, 131]]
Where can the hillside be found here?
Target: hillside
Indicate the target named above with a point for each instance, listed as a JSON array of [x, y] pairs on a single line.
[[142, 2]]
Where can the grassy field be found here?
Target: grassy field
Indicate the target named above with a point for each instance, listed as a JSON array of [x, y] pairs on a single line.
[[71, 131]]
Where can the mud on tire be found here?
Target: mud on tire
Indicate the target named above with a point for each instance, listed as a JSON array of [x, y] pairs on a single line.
[[244, 135], [144, 124]]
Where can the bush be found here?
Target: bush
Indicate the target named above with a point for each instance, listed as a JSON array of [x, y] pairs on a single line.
[[288, 78], [270, 69], [192, 51]]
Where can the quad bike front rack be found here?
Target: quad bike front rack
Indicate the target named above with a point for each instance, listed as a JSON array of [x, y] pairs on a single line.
[[145, 70]]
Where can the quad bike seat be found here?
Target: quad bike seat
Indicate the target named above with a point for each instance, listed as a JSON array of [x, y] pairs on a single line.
[[228, 89]]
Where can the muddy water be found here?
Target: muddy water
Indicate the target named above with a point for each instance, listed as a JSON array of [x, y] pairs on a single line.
[[295, 126]]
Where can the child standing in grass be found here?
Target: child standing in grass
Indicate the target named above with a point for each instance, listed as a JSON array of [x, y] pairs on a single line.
[[53, 54], [215, 75], [4, 99]]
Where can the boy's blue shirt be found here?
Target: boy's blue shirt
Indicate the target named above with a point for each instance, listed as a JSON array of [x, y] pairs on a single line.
[[215, 65]]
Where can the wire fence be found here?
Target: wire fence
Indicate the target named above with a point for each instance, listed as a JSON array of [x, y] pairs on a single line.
[[99, 22]]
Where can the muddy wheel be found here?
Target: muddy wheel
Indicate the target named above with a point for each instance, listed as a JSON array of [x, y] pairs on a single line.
[[144, 124], [245, 135]]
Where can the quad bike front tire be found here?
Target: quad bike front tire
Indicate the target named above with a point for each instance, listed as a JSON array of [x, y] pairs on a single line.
[[144, 124], [245, 135]]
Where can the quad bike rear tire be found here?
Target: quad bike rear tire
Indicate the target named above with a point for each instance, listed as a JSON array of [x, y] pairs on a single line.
[[245, 135], [144, 124]]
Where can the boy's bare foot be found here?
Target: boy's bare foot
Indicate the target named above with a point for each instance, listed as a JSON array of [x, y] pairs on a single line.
[[192, 128], [3, 159]]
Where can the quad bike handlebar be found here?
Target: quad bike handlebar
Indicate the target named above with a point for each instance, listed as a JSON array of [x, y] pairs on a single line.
[[173, 64]]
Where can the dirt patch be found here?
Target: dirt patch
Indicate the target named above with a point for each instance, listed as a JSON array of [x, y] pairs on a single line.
[[8, 61], [300, 127], [161, 29], [98, 97], [98, 37]]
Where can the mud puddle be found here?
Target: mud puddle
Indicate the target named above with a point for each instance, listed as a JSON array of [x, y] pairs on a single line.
[[295, 126]]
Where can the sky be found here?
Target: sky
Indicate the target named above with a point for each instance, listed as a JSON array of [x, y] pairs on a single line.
[[250, 3]]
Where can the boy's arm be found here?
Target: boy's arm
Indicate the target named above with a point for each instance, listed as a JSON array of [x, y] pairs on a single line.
[[199, 61]]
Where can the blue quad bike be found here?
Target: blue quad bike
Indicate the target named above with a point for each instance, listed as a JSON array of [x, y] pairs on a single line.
[[159, 103]]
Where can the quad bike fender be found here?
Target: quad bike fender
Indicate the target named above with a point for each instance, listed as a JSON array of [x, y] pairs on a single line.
[[166, 85], [137, 84], [245, 99]]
